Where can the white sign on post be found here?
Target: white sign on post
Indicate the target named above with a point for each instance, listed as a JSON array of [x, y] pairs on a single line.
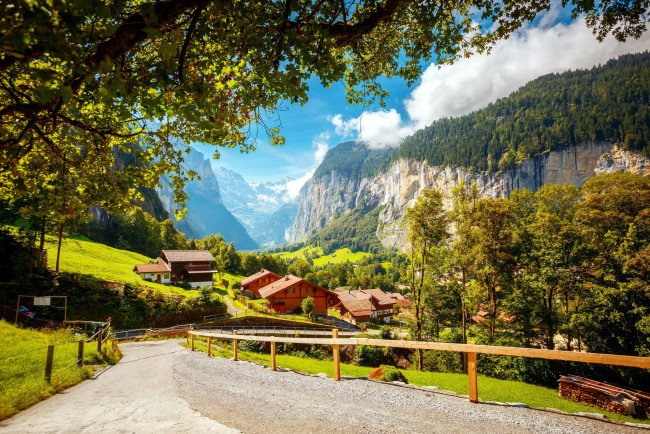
[[41, 301]]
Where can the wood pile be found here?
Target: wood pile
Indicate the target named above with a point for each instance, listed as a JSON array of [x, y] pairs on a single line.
[[607, 396]]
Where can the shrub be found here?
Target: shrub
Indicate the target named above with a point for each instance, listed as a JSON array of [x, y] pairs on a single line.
[[367, 355], [385, 333], [251, 346], [186, 285], [236, 285], [307, 305], [205, 293], [388, 374]]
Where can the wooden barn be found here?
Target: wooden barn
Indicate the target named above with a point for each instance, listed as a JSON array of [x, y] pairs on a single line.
[[287, 294], [253, 283]]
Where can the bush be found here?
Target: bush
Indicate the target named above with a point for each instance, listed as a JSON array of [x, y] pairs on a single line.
[[385, 333], [391, 373], [205, 293], [388, 374], [186, 285], [236, 285], [251, 346], [307, 305], [367, 355]]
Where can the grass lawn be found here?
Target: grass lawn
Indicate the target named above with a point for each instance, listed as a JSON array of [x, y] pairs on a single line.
[[489, 389], [85, 257], [22, 365], [320, 260], [339, 257], [309, 250]]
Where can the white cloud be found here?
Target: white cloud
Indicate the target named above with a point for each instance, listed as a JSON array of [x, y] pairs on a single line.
[[293, 187], [472, 83], [321, 147], [380, 129]]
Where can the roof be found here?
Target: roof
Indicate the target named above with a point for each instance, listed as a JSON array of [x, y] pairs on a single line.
[[284, 283], [358, 308], [187, 255], [263, 272], [346, 294], [158, 267]]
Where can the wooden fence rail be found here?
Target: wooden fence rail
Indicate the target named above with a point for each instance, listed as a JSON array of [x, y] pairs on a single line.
[[470, 349]]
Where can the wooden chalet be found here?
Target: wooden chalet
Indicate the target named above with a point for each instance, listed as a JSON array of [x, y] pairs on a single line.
[[157, 272], [363, 305], [191, 266], [287, 294], [253, 283]]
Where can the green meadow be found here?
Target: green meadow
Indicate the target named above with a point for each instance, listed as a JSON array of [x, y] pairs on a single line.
[[22, 365]]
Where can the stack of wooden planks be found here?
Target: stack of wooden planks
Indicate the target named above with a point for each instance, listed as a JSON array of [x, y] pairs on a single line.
[[629, 402]]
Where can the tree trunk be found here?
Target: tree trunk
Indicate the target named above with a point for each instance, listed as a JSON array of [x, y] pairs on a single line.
[[463, 319], [41, 246], [58, 250]]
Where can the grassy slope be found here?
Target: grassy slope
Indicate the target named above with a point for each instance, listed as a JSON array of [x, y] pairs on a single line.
[[79, 255], [82, 256], [22, 366], [339, 257], [490, 389]]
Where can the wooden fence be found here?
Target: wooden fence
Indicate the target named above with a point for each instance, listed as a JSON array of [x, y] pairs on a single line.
[[471, 350]]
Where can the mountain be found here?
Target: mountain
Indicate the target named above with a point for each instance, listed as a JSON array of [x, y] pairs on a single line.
[[206, 212], [275, 229], [561, 128], [265, 209]]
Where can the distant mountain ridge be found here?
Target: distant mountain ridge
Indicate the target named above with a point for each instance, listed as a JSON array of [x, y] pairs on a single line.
[[206, 212], [265, 209]]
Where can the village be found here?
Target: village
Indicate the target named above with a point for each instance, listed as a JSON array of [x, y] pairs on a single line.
[[282, 294]]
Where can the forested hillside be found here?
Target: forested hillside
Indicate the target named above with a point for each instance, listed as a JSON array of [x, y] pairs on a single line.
[[607, 103], [353, 159]]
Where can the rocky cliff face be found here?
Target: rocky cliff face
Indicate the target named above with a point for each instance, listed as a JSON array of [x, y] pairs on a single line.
[[398, 187]]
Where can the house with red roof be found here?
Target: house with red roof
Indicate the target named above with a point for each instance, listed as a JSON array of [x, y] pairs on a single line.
[[287, 294], [363, 305], [190, 266], [253, 283]]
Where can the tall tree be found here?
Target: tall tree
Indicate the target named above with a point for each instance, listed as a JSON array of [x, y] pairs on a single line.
[[494, 263], [427, 229]]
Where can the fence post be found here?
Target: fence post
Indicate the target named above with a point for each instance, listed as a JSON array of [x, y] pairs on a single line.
[[209, 346], [80, 354], [337, 356], [273, 364], [192, 341], [472, 375], [234, 345], [99, 341], [48, 363]]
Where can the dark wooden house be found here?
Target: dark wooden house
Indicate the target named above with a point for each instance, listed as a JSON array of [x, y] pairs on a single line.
[[173, 266]]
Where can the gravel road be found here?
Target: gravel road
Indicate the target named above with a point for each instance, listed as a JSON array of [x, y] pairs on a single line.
[[160, 386], [254, 399]]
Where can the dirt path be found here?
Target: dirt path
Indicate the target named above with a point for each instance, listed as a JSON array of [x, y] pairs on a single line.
[[137, 395]]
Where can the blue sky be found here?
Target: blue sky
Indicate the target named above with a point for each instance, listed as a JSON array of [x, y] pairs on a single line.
[[550, 44]]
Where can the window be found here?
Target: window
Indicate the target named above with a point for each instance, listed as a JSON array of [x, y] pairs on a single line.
[[310, 289], [291, 290], [263, 280]]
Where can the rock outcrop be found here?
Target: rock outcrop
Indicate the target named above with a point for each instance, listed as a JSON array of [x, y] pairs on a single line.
[[397, 188]]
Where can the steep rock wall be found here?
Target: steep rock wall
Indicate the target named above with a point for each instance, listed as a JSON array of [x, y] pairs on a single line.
[[398, 187]]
